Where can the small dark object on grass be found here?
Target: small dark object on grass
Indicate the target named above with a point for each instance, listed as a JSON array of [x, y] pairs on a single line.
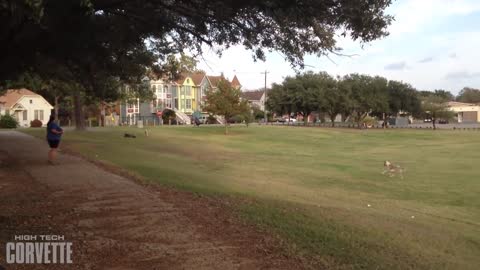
[[127, 135]]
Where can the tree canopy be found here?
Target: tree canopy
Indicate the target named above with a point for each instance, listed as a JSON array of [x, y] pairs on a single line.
[[355, 95], [469, 95], [90, 36], [436, 108], [225, 101]]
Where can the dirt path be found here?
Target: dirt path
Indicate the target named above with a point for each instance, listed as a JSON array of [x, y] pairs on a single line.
[[116, 223]]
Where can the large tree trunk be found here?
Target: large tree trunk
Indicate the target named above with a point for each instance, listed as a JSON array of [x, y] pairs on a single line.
[[78, 111], [433, 122], [226, 127], [332, 118]]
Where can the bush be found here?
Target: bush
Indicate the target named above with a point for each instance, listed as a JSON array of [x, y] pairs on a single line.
[[7, 121], [370, 121], [168, 115], [36, 123]]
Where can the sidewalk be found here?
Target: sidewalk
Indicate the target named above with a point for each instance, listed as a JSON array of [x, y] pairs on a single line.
[[114, 222]]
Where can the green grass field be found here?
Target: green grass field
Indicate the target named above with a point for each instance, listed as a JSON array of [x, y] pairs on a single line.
[[322, 189]]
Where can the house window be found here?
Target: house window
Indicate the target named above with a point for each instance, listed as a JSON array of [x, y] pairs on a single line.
[[182, 90], [165, 89], [189, 104], [176, 103], [31, 101], [41, 115], [25, 115], [188, 90], [36, 114], [168, 103]]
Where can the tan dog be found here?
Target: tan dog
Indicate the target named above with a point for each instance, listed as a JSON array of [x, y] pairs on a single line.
[[392, 169]]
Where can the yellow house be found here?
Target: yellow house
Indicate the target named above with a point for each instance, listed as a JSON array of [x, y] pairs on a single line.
[[185, 95]]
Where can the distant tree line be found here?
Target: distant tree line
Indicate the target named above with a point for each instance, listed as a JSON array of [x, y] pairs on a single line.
[[356, 97]]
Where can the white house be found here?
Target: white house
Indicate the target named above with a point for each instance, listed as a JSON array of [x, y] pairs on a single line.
[[255, 98], [25, 106]]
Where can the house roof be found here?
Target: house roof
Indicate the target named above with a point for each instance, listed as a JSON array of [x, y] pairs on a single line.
[[214, 80], [459, 104], [12, 96], [197, 77], [253, 95], [235, 82]]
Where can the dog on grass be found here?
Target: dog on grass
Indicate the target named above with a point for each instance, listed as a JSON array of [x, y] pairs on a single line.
[[392, 170], [128, 135]]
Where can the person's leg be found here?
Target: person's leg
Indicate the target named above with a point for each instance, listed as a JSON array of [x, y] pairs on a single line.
[[52, 153]]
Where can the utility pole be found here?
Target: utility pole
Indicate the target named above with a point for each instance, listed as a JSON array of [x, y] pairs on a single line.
[[265, 97]]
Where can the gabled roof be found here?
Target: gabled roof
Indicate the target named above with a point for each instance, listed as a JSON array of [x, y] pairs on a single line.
[[12, 96], [197, 78], [253, 95], [214, 80], [235, 82]]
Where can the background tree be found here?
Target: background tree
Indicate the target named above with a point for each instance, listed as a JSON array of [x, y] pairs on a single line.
[[304, 92], [280, 101], [442, 94], [331, 99], [368, 95], [257, 113], [246, 113], [174, 66], [436, 108], [402, 99], [469, 95], [224, 101], [345, 96]]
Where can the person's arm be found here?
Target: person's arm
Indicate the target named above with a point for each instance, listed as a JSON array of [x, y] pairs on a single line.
[[57, 130], [54, 131]]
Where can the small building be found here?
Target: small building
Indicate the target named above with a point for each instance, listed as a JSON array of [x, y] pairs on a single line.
[[255, 98], [466, 112], [25, 106]]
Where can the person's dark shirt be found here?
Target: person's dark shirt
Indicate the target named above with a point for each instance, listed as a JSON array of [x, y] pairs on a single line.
[[53, 136]]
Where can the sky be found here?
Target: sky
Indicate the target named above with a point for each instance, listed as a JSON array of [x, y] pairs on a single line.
[[433, 44]]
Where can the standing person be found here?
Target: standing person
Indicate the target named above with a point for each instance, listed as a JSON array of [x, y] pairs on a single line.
[[54, 134]]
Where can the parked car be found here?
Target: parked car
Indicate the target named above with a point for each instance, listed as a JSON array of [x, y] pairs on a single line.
[[428, 120], [443, 121], [279, 120]]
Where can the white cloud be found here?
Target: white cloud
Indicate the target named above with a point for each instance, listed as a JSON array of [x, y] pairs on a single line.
[[413, 15], [453, 51]]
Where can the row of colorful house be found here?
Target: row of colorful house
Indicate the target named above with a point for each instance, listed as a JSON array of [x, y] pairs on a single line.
[[185, 96]]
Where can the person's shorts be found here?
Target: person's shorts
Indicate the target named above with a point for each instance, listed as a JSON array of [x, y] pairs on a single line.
[[53, 143]]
